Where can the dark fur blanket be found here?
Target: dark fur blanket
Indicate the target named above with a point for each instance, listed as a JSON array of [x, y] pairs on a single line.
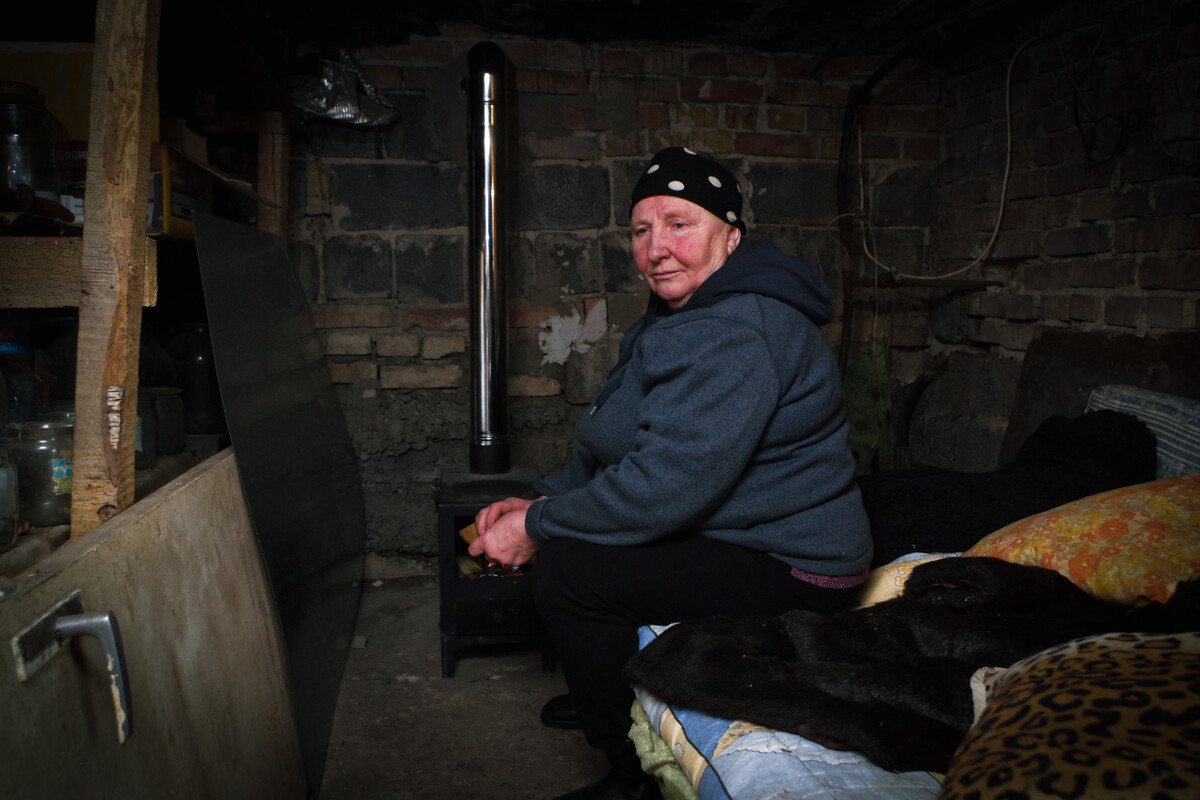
[[891, 681], [942, 511]]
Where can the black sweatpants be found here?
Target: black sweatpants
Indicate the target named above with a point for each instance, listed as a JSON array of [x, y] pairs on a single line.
[[592, 598]]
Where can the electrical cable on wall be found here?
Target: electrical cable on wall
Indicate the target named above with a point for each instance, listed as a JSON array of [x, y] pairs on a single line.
[[845, 218], [1089, 145], [1078, 97], [865, 224], [1122, 121]]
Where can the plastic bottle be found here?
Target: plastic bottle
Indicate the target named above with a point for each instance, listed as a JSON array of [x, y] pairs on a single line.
[[196, 374], [26, 391], [9, 520]]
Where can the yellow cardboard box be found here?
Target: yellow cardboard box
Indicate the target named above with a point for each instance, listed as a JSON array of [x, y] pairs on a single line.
[[178, 188], [62, 73]]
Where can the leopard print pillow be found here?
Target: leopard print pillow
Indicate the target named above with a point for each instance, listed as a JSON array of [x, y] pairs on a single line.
[[1099, 718]]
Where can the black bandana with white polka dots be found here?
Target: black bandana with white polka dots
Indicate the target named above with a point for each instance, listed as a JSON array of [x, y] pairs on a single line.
[[679, 172]]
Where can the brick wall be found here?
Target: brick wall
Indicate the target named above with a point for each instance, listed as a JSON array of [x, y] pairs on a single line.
[[1101, 227], [381, 234]]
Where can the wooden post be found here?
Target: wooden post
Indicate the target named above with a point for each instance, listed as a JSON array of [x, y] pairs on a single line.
[[124, 77], [274, 142]]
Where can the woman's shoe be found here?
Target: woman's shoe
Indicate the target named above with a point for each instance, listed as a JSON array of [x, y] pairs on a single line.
[[559, 712]]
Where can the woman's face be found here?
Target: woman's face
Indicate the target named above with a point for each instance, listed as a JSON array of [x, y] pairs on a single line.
[[677, 245]]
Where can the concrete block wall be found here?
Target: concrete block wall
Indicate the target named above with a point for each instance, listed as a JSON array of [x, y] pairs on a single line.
[[382, 228], [381, 233]]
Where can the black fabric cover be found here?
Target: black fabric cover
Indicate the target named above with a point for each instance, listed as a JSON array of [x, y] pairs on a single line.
[[934, 510]]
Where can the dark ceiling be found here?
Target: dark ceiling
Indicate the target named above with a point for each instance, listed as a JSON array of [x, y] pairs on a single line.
[[928, 29], [882, 32], [195, 39], [932, 29]]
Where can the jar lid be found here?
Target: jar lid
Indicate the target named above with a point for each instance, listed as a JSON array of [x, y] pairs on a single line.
[[36, 427], [17, 92]]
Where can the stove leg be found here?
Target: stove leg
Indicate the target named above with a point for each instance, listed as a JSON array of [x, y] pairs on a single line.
[[449, 657]]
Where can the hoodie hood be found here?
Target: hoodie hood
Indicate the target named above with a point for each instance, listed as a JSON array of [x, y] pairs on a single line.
[[755, 267], [758, 267]]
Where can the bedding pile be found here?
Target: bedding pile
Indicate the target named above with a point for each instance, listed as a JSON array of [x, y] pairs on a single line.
[[1126, 558], [892, 680]]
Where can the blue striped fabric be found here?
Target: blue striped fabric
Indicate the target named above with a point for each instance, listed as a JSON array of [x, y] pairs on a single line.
[[1175, 422], [726, 759]]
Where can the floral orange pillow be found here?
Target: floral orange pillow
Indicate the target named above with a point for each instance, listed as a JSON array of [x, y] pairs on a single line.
[[887, 582], [1135, 542]]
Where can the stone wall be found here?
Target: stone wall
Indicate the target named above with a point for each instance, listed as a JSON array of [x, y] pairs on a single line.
[[380, 231]]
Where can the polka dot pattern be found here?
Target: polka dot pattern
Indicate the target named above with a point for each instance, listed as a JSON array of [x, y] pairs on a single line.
[[681, 172]]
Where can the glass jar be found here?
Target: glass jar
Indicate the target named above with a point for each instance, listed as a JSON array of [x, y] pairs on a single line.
[[9, 520], [66, 414], [43, 453], [32, 141]]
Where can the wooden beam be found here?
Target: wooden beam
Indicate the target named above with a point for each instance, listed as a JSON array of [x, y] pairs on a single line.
[[274, 155], [274, 146], [124, 74]]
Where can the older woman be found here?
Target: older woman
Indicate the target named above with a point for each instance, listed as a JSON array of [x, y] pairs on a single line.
[[712, 476]]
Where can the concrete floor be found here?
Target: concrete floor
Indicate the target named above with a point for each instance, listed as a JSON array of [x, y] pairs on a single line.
[[401, 730]]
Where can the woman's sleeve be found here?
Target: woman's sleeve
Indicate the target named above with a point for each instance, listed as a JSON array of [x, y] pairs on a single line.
[[710, 389]]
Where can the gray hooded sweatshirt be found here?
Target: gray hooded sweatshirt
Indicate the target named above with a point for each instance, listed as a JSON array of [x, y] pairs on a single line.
[[724, 419]]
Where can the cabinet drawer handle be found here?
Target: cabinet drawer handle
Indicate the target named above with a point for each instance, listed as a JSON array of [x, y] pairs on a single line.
[[103, 626]]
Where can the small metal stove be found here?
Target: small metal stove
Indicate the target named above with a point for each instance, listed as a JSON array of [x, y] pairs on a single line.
[[481, 604]]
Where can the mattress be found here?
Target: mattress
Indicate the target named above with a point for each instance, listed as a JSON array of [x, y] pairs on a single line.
[[731, 760]]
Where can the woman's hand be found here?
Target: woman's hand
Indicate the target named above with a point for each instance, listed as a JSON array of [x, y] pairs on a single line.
[[485, 518], [502, 536]]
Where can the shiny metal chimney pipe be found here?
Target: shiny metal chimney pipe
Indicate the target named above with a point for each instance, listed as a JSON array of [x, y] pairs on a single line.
[[489, 252]]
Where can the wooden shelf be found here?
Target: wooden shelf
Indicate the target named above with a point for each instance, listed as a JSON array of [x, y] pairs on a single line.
[[110, 273], [47, 272]]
